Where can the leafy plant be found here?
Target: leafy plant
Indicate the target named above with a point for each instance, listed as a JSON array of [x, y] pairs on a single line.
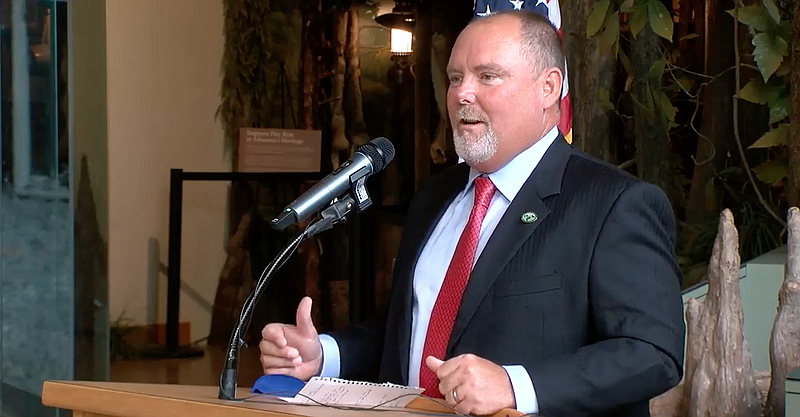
[[119, 346], [604, 23], [771, 43]]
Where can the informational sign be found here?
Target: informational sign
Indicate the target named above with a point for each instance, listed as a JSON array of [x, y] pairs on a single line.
[[279, 150]]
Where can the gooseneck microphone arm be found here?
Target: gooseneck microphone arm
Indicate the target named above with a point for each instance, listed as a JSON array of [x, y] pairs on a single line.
[[334, 214], [336, 195]]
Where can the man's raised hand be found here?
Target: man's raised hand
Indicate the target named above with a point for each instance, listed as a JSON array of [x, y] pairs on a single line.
[[292, 349]]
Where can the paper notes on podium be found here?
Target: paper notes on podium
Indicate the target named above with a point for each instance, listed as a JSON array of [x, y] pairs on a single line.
[[345, 393]]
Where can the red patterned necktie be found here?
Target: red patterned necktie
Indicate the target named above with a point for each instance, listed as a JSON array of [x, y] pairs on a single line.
[[455, 280]]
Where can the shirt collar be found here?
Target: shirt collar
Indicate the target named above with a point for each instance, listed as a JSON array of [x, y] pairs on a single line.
[[510, 178]]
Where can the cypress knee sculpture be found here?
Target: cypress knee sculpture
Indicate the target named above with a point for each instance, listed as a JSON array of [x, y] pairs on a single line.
[[719, 378]]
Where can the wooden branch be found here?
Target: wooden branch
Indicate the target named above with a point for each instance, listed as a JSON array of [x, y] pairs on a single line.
[[358, 127], [340, 141], [309, 9], [719, 379], [784, 344], [627, 164]]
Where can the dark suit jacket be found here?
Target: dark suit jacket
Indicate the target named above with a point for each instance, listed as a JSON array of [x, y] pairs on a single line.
[[587, 297]]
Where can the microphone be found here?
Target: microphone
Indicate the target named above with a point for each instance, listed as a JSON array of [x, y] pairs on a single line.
[[367, 160]]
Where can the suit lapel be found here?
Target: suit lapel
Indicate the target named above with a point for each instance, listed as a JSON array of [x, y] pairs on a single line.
[[435, 204], [512, 232]]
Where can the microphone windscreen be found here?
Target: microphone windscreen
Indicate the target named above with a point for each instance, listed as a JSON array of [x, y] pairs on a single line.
[[380, 151]]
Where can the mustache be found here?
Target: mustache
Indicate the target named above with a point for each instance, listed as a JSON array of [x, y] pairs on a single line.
[[470, 113]]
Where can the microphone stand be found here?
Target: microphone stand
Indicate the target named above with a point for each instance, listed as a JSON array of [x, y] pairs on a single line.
[[332, 215]]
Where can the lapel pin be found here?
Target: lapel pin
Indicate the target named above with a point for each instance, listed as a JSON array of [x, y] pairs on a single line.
[[529, 217]]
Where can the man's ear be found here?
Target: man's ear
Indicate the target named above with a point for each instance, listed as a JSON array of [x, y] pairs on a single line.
[[551, 87]]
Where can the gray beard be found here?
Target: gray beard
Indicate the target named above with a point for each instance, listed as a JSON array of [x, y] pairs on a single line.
[[474, 149]]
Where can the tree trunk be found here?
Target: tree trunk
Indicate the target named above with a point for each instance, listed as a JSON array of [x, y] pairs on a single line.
[[784, 345], [589, 70], [422, 93], [338, 123], [309, 9], [719, 380], [357, 126], [717, 110], [652, 141], [793, 192]]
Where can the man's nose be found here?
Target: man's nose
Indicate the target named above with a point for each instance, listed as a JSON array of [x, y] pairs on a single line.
[[466, 96], [465, 93]]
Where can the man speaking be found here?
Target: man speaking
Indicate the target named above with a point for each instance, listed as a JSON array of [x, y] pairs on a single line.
[[529, 276]]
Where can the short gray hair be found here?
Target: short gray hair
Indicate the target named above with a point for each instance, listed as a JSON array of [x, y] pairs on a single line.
[[540, 43]]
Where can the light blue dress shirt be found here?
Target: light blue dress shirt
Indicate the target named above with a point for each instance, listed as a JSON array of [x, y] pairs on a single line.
[[430, 270]]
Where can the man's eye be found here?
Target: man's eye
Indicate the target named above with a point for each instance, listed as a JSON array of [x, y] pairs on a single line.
[[488, 77], [454, 79]]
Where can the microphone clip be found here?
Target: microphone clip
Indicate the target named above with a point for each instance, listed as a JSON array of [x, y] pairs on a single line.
[[338, 210], [361, 194]]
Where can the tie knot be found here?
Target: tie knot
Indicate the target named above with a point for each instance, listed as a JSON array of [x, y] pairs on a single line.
[[484, 190]]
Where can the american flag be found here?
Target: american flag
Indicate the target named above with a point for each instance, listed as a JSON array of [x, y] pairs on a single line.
[[549, 8]]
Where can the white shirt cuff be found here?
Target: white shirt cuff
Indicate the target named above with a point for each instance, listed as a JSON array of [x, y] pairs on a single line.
[[330, 357], [524, 394]]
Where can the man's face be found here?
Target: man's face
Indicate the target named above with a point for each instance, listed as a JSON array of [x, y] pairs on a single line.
[[491, 100]]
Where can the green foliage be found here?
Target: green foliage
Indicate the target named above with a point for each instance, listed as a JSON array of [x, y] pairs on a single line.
[[771, 37], [776, 136], [771, 88], [603, 23], [597, 17], [660, 19], [757, 92], [769, 52], [754, 16], [666, 84], [779, 108], [772, 172], [606, 14]]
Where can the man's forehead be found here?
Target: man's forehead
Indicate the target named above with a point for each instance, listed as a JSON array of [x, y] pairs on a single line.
[[485, 47], [506, 24], [489, 35]]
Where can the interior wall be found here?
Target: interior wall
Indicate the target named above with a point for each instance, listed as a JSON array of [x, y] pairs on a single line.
[[163, 84]]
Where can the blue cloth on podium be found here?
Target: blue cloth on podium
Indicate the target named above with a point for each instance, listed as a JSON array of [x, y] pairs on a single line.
[[280, 385]]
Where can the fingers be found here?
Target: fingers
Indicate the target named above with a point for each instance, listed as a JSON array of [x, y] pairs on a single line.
[[447, 385], [444, 369], [268, 347], [304, 323], [448, 375], [273, 332], [433, 363], [269, 362], [473, 385]]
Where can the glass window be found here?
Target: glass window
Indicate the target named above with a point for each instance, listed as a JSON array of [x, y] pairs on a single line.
[[37, 307]]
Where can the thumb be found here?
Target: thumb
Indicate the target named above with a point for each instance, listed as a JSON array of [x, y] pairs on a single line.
[[433, 363], [304, 322]]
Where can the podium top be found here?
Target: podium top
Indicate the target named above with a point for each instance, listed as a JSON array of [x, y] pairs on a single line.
[[147, 400]]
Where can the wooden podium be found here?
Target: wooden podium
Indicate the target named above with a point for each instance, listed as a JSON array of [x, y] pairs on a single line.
[[102, 399]]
